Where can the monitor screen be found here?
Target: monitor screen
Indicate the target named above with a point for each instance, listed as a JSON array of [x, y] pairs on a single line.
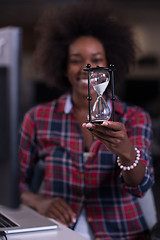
[[10, 45]]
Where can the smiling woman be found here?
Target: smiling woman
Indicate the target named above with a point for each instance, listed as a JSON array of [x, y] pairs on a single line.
[[84, 187], [82, 51]]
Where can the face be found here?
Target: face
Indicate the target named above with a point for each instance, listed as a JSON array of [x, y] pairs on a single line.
[[84, 50]]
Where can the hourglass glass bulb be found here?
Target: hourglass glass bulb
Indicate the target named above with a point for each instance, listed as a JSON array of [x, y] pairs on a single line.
[[100, 111], [101, 87]]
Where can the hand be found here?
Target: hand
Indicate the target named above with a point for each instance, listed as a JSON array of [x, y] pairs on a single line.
[[58, 209], [114, 136]]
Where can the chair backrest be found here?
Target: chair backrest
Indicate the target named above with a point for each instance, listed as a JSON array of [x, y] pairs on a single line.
[[147, 203], [38, 176]]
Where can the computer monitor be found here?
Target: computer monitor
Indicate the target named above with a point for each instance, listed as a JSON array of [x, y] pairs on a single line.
[[10, 52]]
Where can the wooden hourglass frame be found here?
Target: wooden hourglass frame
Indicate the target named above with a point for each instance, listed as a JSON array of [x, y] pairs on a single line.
[[109, 70]]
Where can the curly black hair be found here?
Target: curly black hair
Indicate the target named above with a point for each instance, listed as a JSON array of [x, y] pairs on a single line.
[[63, 23]]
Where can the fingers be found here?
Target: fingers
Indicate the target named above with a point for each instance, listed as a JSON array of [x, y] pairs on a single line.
[[106, 129], [66, 211], [116, 126], [60, 211], [112, 134]]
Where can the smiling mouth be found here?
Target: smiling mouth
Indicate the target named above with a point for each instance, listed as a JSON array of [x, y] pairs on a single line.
[[85, 81]]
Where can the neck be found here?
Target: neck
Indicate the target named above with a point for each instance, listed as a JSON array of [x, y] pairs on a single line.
[[81, 102]]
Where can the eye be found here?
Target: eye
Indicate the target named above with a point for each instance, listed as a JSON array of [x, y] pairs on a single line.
[[97, 60], [75, 61]]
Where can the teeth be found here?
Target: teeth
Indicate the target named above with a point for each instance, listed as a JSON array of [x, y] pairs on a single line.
[[84, 81]]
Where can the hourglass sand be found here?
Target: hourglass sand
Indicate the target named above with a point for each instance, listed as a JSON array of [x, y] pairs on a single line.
[[100, 77], [100, 110]]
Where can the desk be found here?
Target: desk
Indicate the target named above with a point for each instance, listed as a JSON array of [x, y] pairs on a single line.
[[24, 212], [62, 233]]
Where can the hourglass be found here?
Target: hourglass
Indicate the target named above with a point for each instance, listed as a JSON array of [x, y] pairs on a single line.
[[100, 77]]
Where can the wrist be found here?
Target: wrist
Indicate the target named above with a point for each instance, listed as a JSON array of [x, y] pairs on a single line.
[[31, 199], [130, 165]]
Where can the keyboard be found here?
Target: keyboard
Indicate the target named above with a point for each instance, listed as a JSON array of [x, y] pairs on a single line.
[[6, 222]]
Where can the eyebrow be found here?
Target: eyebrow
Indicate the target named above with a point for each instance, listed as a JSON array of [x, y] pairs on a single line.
[[74, 54], [94, 54]]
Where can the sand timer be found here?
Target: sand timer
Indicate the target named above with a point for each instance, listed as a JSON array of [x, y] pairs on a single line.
[[99, 78]]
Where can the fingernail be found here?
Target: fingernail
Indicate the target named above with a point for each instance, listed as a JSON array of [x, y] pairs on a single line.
[[105, 123], [89, 125], [73, 219]]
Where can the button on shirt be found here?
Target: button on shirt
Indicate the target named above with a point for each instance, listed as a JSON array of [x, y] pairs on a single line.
[[51, 132]]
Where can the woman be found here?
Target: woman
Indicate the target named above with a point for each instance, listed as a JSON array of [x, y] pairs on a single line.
[[92, 178]]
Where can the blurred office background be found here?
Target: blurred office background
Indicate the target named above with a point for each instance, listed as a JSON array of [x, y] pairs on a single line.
[[142, 86]]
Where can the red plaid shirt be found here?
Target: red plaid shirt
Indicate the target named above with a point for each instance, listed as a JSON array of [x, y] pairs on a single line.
[[52, 133]]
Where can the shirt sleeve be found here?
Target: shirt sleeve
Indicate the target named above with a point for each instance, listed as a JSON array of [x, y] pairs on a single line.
[[139, 129], [27, 151], [139, 190]]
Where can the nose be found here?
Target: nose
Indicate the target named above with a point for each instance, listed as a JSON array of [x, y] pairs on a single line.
[[81, 69]]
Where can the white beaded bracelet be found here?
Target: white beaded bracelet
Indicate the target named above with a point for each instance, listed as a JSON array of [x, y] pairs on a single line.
[[133, 165]]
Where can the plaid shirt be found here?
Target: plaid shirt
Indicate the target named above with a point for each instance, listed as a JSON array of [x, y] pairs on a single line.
[[52, 133]]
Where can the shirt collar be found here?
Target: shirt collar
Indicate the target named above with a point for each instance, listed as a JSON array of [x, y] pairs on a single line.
[[68, 105]]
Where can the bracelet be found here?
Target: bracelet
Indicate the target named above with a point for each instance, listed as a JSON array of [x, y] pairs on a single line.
[[133, 165]]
